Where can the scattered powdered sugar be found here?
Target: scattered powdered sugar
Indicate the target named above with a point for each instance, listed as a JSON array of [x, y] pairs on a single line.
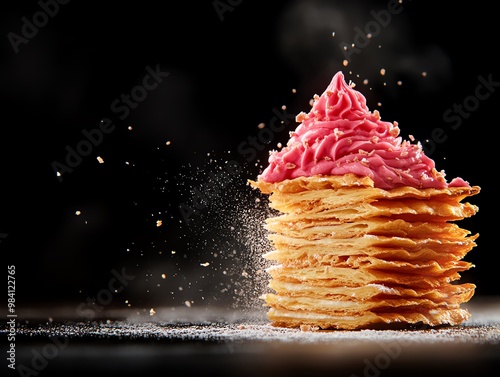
[[231, 326], [221, 226], [185, 340]]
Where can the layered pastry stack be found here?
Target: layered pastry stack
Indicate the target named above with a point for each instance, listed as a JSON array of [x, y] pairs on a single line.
[[366, 234]]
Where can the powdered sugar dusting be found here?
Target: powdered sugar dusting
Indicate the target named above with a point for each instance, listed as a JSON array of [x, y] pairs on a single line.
[[199, 324], [221, 223]]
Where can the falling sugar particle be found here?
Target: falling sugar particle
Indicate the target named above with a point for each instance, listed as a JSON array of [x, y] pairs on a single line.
[[379, 103], [206, 264], [260, 126], [163, 276], [58, 174], [345, 62], [400, 83], [424, 74], [158, 223], [365, 81], [333, 34], [130, 128], [99, 158], [78, 213], [294, 91], [382, 72], [152, 312], [187, 303], [168, 142], [283, 107]]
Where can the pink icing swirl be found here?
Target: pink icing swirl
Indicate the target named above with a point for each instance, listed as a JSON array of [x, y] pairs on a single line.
[[340, 135]]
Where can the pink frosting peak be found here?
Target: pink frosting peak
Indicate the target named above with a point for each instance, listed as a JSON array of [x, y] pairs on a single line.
[[340, 135]]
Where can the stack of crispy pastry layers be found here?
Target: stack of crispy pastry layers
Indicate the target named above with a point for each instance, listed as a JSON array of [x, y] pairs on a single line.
[[371, 246]]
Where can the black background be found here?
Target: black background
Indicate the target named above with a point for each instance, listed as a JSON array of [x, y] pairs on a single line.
[[227, 72]]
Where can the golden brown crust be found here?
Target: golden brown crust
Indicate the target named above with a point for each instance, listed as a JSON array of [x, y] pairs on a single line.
[[350, 255], [291, 251], [331, 228], [327, 276], [432, 317], [319, 182], [447, 293], [328, 306], [312, 183]]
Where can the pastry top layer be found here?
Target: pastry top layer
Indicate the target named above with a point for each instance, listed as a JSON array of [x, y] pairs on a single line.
[[341, 136], [335, 182]]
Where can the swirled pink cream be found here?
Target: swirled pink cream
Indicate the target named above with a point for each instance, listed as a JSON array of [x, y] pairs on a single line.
[[340, 135]]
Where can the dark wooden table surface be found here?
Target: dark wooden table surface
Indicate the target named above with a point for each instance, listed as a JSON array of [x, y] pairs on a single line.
[[221, 342]]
